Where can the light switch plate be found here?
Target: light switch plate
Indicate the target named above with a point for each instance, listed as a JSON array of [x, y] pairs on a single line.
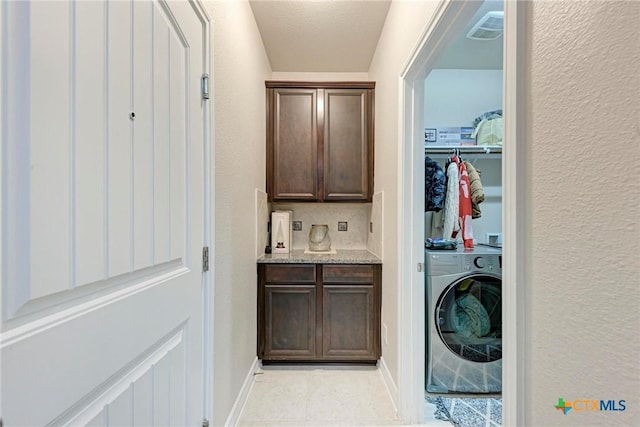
[[342, 225]]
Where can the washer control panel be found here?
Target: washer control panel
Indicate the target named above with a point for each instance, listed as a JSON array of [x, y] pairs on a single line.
[[482, 262]]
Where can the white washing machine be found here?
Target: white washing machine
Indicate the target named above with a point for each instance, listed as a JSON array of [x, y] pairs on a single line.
[[464, 320]]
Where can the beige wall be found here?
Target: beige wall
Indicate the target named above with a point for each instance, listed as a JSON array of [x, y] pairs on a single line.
[[240, 69], [319, 77], [405, 23], [582, 101], [582, 305]]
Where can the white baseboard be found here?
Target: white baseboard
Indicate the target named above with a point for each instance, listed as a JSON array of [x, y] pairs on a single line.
[[392, 388], [241, 399]]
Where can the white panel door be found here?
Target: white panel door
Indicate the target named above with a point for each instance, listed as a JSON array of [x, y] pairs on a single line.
[[103, 183]]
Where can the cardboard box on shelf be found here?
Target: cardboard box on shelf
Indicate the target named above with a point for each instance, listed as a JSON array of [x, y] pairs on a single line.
[[450, 136]]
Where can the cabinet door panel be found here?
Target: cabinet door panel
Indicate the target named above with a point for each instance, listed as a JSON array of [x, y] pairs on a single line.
[[346, 144], [348, 322], [294, 145], [290, 322]]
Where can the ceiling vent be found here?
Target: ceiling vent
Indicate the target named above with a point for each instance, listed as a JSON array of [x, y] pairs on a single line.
[[489, 27]]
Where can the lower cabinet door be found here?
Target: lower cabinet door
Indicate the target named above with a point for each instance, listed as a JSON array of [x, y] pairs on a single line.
[[349, 327], [290, 322]]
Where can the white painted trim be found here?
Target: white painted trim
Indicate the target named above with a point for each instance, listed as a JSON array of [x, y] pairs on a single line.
[[208, 292], [38, 326], [2, 167], [391, 386], [42, 306], [406, 397], [2, 172], [514, 216], [446, 22], [243, 396], [86, 409], [16, 74]]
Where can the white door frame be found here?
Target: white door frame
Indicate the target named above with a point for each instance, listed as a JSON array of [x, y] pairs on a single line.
[[450, 17], [208, 284], [209, 214]]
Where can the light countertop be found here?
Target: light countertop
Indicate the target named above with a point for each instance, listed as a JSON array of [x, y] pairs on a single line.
[[343, 256]]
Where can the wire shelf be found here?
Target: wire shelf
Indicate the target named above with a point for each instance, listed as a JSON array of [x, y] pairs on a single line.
[[472, 149]]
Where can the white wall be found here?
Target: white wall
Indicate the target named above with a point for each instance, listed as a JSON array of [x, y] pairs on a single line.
[[456, 97], [403, 27], [582, 308], [240, 69], [582, 305], [491, 208]]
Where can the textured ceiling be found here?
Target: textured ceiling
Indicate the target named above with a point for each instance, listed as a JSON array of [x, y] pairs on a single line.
[[341, 36], [463, 53], [320, 36]]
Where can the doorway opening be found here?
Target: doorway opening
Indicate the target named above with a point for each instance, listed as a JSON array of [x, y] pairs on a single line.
[[447, 23]]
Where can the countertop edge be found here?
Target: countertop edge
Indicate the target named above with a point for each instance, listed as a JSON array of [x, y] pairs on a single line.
[[344, 256]]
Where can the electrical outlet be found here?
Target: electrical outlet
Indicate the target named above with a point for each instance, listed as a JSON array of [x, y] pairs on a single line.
[[384, 334], [494, 238], [297, 225], [342, 225]]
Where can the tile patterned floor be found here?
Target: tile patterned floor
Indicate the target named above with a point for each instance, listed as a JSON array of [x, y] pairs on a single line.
[[312, 396], [347, 396], [468, 411]]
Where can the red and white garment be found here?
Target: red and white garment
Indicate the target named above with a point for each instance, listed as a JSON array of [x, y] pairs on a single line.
[[465, 210], [451, 200]]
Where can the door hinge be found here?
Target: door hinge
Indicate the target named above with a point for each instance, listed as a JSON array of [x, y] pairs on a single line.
[[420, 267], [205, 86], [205, 258]]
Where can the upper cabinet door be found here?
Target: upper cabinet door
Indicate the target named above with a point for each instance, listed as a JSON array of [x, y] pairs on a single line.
[[320, 141], [292, 144], [348, 148]]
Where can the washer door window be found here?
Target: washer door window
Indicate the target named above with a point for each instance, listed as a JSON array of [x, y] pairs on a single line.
[[469, 318]]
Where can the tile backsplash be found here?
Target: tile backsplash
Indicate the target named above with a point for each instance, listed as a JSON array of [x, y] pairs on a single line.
[[262, 218], [374, 239], [357, 216]]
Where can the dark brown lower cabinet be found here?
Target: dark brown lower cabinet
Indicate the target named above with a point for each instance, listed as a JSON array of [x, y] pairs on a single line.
[[290, 321], [348, 322], [319, 313]]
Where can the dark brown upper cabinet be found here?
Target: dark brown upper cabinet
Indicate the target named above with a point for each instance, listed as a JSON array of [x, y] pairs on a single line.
[[320, 141]]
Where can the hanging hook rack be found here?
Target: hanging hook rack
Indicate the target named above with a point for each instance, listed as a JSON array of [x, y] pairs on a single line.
[[468, 150]]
